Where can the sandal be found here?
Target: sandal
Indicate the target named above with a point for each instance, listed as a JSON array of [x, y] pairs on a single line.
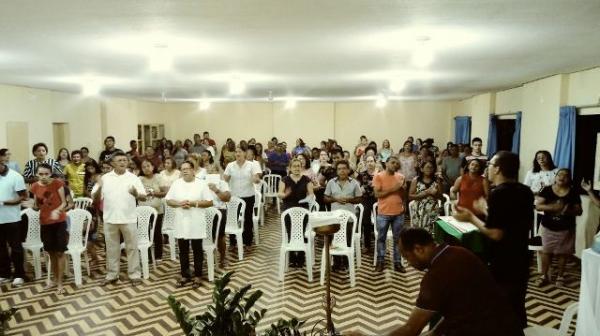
[[61, 291], [541, 281], [182, 282]]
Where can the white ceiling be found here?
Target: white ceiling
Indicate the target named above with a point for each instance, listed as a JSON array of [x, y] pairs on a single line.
[[311, 49]]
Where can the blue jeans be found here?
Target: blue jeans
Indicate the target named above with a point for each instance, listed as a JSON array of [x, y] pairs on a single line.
[[383, 223]]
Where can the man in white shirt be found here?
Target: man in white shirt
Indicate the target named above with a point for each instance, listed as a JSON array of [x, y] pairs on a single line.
[[12, 192], [241, 175], [119, 190]]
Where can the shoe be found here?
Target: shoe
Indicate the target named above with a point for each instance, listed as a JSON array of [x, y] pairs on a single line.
[[18, 282], [135, 282], [399, 268], [109, 282], [379, 266], [560, 281]]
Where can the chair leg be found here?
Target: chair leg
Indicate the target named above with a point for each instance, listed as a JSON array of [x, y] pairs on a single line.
[[357, 251], [210, 264], [255, 225], [37, 263], [322, 280], [351, 270], [240, 247], [153, 257], [145, 268], [67, 269], [76, 258], [172, 247], [309, 266], [278, 205], [282, 258]]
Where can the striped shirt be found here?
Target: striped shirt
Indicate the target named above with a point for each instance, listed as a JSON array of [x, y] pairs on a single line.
[[31, 167]]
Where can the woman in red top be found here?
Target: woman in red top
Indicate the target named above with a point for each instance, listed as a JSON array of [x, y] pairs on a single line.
[[50, 199], [471, 187]]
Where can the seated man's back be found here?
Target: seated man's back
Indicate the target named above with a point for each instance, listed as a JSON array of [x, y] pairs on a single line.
[[459, 287]]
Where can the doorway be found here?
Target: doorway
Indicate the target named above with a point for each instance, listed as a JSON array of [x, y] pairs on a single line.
[[505, 129], [60, 133]]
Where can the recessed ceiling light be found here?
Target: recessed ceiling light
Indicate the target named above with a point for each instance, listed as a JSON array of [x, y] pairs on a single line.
[[90, 87], [160, 58], [381, 101], [204, 105], [422, 56], [397, 85], [237, 87], [290, 104]]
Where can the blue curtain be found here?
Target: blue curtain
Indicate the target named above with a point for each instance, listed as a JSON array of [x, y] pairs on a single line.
[[462, 130], [564, 150], [516, 140], [492, 144]]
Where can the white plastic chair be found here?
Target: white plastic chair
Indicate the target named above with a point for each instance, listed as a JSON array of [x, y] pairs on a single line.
[[33, 242], [256, 211], [339, 245], [235, 222], [78, 236], [360, 209], [390, 234], [82, 202], [271, 190], [295, 241], [145, 235], [447, 205], [258, 198], [209, 244], [563, 330], [535, 239], [168, 228], [313, 207]]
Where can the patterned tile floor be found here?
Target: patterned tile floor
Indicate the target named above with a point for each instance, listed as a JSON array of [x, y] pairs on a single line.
[[374, 306]]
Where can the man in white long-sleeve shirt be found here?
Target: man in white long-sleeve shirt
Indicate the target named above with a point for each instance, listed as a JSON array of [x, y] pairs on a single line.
[[119, 191]]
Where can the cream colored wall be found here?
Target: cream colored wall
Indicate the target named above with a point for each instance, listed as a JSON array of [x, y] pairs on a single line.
[[311, 121]]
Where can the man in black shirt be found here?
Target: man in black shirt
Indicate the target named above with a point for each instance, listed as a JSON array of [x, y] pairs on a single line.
[[109, 149], [509, 219]]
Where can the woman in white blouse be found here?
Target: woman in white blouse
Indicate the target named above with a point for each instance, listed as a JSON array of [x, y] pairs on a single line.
[[241, 175], [189, 195], [543, 172]]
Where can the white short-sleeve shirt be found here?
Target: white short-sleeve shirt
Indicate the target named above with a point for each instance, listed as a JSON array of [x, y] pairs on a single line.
[[537, 181], [10, 185], [119, 204], [189, 223], [240, 181], [223, 187]]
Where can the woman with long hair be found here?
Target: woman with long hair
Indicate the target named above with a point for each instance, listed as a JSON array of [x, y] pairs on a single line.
[[154, 194], [408, 161], [63, 158], [385, 152], [560, 203], [425, 191], [179, 153], [470, 187], [543, 172], [169, 174]]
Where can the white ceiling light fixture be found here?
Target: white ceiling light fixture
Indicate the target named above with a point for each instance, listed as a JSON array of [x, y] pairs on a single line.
[[204, 105], [237, 87], [290, 104], [422, 56], [381, 101], [90, 87], [160, 58], [397, 85]]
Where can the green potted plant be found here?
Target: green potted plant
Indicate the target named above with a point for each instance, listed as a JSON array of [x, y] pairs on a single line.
[[231, 314]]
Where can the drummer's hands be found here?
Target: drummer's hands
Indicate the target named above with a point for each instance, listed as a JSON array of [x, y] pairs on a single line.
[[480, 205], [462, 214]]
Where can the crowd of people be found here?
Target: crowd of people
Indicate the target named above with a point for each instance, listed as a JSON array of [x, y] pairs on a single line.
[[416, 177]]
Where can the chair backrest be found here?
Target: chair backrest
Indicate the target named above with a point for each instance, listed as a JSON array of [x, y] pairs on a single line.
[[536, 225], [359, 209], [446, 197], [33, 226], [82, 202], [257, 204], [313, 207], [339, 238], [267, 171], [79, 229], [235, 213], [374, 215], [297, 216], [145, 229], [168, 218], [411, 209], [272, 181], [568, 315], [212, 213]]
